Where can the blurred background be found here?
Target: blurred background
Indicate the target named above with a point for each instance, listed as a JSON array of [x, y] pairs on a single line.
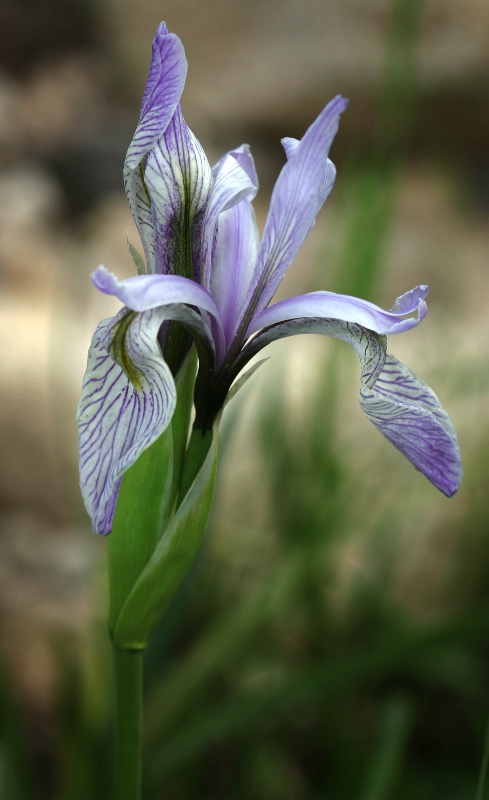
[[332, 640]]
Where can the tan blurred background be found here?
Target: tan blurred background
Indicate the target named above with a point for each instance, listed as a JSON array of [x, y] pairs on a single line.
[[71, 79]]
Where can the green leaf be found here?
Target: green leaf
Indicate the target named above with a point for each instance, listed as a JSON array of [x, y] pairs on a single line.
[[147, 497], [170, 561], [142, 506]]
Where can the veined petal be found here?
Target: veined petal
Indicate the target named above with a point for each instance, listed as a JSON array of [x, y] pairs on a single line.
[[164, 87], [369, 346], [178, 180], [295, 201], [401, 406], [231, 185], [349, 309], [145, 292], [233, 263], [410, 415], [128, 399]]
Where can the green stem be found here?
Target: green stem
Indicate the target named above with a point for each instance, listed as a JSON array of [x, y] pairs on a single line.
[[128, 666]]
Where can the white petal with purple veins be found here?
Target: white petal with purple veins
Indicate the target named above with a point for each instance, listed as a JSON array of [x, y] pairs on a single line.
[[410, 415], [178, 179], [128, 399], [369, 346], [401, 406]]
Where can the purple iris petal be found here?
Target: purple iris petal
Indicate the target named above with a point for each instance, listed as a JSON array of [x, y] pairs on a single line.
[[295, 202], [290, 146], [233, 263], [164, 87], [162, 94], [349, 309], [231, 185], [243, 156], [121, 411], [409, 414]]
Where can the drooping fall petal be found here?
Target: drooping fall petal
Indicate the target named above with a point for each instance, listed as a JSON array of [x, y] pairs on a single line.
[[398, 403], [410, 415], [128, 399]]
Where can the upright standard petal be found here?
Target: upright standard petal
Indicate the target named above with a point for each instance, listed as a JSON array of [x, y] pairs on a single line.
[[128, 399], [410, 415], [290, 146], [295, 202], [243, 156], [233, 263], [162, 94], [164, 87], [231, 184]]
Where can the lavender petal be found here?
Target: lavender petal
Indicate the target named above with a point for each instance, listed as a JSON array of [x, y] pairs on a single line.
[[233, 263], [410, 416], [290, 146], [349, 309], [295, 202], [231, 185], [243, 156], [164, 87], [162, 94]]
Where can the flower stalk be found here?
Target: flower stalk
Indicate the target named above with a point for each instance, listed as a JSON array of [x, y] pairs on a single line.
[[128, 671]]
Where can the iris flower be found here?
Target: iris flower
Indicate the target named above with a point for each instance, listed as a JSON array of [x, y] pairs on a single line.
[[206, 273]]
